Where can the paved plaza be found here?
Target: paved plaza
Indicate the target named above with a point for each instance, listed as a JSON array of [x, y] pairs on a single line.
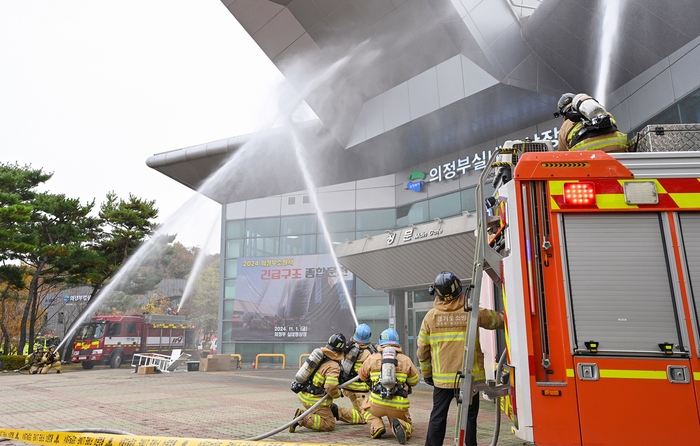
[[231, 405]]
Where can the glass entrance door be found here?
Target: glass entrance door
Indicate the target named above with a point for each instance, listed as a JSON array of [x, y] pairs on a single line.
[[418, 303]]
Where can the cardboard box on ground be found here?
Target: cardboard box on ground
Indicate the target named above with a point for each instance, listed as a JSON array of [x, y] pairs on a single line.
[[146, 369]]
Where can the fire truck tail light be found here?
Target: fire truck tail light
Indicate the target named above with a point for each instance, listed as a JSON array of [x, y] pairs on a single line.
[[579, 194]]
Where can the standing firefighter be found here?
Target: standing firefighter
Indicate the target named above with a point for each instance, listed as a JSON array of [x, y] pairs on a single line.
[[392, 375], [318, 376], [587, 126], [441, 342], [34, 360], [51, 360], [356, 353]]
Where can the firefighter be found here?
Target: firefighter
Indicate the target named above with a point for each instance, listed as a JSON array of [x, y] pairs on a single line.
[[587, 126], [323, 374], [358, 350], [35, 359], [51, 360], [391, 375], [440, 353]]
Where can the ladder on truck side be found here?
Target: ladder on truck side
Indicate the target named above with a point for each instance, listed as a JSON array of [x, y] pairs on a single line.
[[486, 260]]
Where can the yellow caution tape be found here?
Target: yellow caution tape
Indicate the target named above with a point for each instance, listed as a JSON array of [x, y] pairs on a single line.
[[91, 439]]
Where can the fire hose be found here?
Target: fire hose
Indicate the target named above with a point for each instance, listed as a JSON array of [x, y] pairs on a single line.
[[297, 419], [497, 426]]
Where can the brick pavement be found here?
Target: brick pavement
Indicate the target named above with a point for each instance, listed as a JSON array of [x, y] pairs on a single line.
[[231, 405]]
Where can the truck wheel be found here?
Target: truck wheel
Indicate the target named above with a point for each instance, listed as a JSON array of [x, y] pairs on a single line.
[[88, 365], [115, 361]]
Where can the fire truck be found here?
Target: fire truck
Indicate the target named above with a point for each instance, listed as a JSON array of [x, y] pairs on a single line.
[[595, 259], [114, 339]]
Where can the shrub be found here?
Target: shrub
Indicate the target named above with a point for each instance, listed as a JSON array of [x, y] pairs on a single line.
[[12, 362]]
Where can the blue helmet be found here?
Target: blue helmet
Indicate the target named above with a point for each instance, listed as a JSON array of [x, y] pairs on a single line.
[[362, 334], [389, 337]]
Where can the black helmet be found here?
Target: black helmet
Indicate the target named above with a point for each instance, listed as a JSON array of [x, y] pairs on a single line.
[[447, 286], [336, 342], [564, 104]]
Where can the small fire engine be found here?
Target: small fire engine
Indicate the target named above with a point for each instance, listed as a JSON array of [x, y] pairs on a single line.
[[114, 339], [595, 259]]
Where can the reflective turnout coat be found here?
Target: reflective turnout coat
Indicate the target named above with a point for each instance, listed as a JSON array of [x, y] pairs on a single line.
[[325, 380], [406, 375], [441, 340]]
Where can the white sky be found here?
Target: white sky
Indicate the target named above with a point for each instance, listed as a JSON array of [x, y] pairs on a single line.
[[89, 89]]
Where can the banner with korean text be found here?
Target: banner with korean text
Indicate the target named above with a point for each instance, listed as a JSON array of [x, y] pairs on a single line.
[[291, 299]]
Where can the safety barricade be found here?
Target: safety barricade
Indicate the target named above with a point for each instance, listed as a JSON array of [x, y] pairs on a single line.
[[302, 357], [272, 355]]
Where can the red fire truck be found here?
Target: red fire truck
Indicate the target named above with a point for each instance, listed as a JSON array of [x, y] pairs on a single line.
[[114, 339], [596, 260]]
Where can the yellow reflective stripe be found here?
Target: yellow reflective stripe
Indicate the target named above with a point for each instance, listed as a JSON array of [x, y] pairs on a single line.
[[413, 380], [397, 402], [696, 376], [448, 336], [634, 374], [424, 337], [613, 201], [331, 380], [317, 422], [686, 200], [318, 379], [570, 373], [358, 385]]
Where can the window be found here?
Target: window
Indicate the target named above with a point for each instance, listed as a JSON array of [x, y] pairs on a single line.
[[376, 219], [235, 229], [229, 289], [299, 224], [336, 239], [262, 227], [297, 244], [445, 206], [231, 269], [131, 328], [262, 246], [60, 317], [339, 222], [234, 248], [412, 214], [115, 329]]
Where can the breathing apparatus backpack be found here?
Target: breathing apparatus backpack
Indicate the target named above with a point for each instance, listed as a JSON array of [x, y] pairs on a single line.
[[303, 378], [387, 386]]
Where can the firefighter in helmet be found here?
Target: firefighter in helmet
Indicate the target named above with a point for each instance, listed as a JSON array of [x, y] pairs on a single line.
[[440, 353], [587, 126], [321, 373], [34, 360], [51, 359], [357, 351], [391, 375]]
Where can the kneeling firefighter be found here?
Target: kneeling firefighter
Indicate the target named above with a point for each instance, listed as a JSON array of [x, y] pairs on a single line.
[[319, 376], [35, 360], [51, 360], [356, 353], [587, 126], [392, 374]]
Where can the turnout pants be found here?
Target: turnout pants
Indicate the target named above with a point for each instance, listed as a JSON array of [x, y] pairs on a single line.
[[55, 365], [356, 415], [321, 419], [375, 412], [442, 398]]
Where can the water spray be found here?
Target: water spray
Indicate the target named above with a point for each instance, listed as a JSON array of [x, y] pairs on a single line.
[[196, 267], [610, 26]]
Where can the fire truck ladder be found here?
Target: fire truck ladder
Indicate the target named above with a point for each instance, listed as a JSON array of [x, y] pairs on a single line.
[[486, 260]]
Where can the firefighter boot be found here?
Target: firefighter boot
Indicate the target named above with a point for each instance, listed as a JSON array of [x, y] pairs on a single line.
[[378, 433], [334, 409], [58, 371], [399, 431], [294, 426]]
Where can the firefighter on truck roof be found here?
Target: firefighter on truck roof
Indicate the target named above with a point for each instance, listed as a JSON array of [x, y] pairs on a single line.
[[440, 353]]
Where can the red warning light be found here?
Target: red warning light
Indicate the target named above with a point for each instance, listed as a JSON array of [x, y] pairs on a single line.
[[579, 194]]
